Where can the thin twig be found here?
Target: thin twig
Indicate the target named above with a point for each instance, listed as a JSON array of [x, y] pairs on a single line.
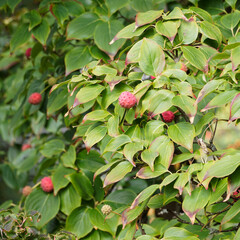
[[214, 132]]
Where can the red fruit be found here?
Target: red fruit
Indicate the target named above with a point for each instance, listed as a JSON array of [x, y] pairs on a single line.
[[26, 146], [28, 53], [35, 98], [168, 116], [26, 190], [46, 184], [152, 77], [184, 67], [127, 100]]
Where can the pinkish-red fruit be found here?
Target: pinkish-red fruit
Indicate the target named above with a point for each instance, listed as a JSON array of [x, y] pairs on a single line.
[[26, 190], [152, 77], [46, 184], [168, 116], [127, 100], [26, 146], [28, 53], [183, 67], [35, 98]]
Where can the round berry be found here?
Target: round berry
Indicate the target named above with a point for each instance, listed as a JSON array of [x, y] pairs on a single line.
[[26, 146], [46, 184], [106, 209], [168, 116], [35, 98], [28, 53], [26, 190], [52, 81], [127, 100]]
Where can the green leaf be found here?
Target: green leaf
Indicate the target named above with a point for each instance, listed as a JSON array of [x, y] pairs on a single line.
[[112, 126], [82, 184], [42, 31], [165, 148], [77, 58], [90, 161], [116, 143], [147, 173], [68, 195], [195, 202], [182, 134], [167, 180], [118, 173], [207, 118], [141, 89], [146, 237], [69, 157], [130, 215], [60, 12], [211, 31], [98, 221], [152, 58], [97, 115], [145, 194], [153, 129], [45, 203], [208, 88], [238, 231], [195, 57], [12, 3], [221, 99], [74, 8], [235, 108], [52, 147], [219, 191], [128, 32], [105, 167], [103, 70], [78, 222], [57, 100], [181, 182], [133, 54], [235, 58], [202, 14], [113, 5], [175, 14], [58, 178], [187, 104], [179, 232], [233, 184], [34, 19], [181, 158], [168, 29], [83, 26], [130, 149], [149, 156], [188, 32], [223, 167], [159, 102], [26, 160], [104, 33], [231, 20], [231, 213], [143, 18], [89, 93], [232, 3], [20, 36], [95, 136]]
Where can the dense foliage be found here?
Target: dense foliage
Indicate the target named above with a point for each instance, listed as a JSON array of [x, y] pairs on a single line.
[[105, 107]]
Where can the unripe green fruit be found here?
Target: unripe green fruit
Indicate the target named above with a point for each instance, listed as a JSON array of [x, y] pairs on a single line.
[[106, 209], [52, 81]]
